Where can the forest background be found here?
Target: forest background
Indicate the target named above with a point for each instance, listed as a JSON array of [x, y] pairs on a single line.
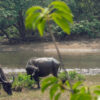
[[12, 16]]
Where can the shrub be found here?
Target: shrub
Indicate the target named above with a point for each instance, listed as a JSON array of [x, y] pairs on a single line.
[[86, 28], [80, 77], [73, 75], [21, 81], [83, 28]]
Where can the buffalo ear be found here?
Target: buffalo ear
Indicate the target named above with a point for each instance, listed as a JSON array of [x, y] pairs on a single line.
[[36, 69]]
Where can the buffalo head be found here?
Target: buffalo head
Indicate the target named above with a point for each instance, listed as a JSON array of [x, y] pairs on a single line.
[[7, 85], [31, 70]]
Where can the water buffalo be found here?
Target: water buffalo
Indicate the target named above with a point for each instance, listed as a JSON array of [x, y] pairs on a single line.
[[7, 85], [41, 67]]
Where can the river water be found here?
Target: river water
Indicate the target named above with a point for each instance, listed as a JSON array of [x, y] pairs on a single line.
[[85, 61]]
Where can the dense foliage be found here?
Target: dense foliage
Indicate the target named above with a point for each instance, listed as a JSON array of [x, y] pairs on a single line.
[[12, 16], [12, 13], [84, 28]]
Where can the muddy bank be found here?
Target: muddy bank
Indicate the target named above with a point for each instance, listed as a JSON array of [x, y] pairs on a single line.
[[90, 44]]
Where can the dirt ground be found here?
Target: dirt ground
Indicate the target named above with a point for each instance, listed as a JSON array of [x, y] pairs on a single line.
[[92, 43], [84, 44]]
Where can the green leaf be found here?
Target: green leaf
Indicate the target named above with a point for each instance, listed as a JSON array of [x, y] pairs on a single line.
[[54, 79], [57, 96], [83, 90], [67, 83], [81, 97], [33, 17], [30, 19], [62, 22], [47, 82], [37, 21], [53, 90], [66, 15], [77, 84], [60, 5], [33, 9], [98, 86], [45, 86], [97, 92], [84, 97], [41, 26]]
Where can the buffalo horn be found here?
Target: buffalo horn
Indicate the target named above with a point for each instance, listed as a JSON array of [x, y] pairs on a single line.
[[33, 73]]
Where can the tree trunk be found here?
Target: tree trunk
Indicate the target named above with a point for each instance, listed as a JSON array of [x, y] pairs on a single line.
[[5, 33], [60, 57], [21, 26]]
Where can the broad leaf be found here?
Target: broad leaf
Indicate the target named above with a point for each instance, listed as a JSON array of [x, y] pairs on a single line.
[[60, 5], [62, 22], [67, 16], [46, 85], [57, 96], [53, 90], [41, 26], [81, 97], [33, 9], [48, 82], [30, 19], [77, 84]]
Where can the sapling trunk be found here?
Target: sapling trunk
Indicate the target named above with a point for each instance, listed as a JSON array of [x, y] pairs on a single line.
[[59, 55]]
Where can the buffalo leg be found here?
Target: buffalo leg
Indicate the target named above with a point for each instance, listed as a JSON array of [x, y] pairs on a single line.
[[55, 70], [37, 81]]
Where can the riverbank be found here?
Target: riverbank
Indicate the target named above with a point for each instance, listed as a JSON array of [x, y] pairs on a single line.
[[75, 54], [26, 94], [89, 46]]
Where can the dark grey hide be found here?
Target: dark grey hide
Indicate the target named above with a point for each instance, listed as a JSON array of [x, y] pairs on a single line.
[[41, 67], [7, 85]]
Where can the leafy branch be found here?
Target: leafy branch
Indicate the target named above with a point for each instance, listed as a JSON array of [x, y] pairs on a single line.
[[59, 12]]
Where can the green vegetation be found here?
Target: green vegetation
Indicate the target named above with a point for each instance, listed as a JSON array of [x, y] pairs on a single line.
[[12, 17], [73, 75], [83, 28], [78, 92], [23, 81], [59, 12], [36, 18], [30, 94]]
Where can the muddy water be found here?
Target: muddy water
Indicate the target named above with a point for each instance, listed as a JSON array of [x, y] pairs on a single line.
[[18, 59], [85, 61]]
